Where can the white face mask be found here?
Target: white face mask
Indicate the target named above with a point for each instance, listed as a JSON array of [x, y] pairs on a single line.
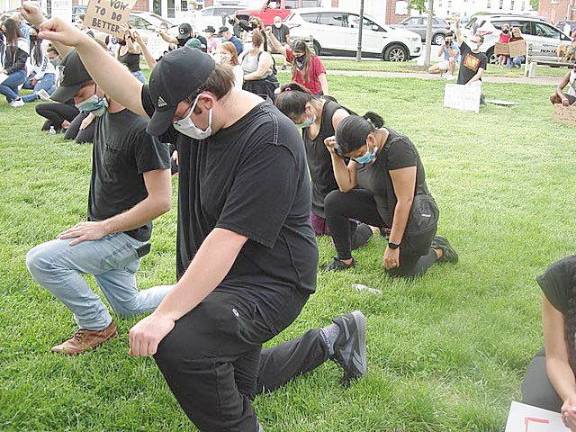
[[187, 127], [278, 25], [222, 58]]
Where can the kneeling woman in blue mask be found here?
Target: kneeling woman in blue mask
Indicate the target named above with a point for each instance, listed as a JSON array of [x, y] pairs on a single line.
[[383, 185]]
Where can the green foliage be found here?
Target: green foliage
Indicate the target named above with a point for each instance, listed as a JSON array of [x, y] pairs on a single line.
[[447, 352], [535, 4], [419, 5]]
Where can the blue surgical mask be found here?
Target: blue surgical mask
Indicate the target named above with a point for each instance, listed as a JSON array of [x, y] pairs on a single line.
[[94, 104], [306, 123], [366, 158]]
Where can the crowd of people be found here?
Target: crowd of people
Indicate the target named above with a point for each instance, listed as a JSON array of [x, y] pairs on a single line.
[[263, 169]]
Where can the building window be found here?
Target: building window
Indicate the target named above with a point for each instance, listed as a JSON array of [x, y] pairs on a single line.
[[171, 9], [488, 4], [523, 5], [184, 5], [511, 4], [501, 5]]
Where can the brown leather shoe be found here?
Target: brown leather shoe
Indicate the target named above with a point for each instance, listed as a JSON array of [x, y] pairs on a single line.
[[85, 340]]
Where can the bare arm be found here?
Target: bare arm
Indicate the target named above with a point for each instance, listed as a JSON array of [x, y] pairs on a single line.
[[33, 14], [561, 85], [264, 66], [116, 80], [459, 38], [476, 77], [158, 201], [557, 364], [404, 183], [132, 47], [150, 60], [323, 83], [345, 174], [168, 38]]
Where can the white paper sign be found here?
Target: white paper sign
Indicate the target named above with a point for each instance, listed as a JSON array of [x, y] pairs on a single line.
[[526, 418], [463, 98]]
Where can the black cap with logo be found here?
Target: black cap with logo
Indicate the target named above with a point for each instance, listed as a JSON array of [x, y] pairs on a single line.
[[177, 76], [209, 29], [184, 31], [223, 29], [72, 75]]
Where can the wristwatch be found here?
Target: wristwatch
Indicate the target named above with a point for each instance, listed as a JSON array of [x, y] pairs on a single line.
[[393, 245]]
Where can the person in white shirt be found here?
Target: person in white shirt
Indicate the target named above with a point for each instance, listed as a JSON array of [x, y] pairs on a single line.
[[43, 75]]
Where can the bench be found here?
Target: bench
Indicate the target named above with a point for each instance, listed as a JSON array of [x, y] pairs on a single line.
[[533, 61]]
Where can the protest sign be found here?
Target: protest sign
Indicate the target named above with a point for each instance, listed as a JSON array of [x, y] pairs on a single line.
[[526, 418], [109, 16], [517, 48], [502, 49], [463, 97]]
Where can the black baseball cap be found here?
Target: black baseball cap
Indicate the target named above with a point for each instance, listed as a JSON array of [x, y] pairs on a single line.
[[209, 29], [177, 76], [223, 29], [184, 31], [72, 75]]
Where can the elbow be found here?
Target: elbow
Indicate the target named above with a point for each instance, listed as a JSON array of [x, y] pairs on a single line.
[[164, 206]]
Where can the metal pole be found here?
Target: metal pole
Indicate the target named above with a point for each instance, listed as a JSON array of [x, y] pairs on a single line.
[[360, 27], [428, 48]]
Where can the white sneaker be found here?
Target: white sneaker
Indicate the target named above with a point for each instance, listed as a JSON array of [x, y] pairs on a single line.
[[43, 94], [17, 103]]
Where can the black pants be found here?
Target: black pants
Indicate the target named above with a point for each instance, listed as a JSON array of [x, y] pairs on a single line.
[[359, 204], [213, 359], [80, 136], [537, 390], [56, 113]]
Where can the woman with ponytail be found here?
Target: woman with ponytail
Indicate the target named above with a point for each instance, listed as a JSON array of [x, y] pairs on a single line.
[[550, 383], [383, 185], [318, 118], [43, 75]]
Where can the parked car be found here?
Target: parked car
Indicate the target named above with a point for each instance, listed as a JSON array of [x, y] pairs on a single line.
[[420, 24], [563, 24], [77, 11], [215, 16], [542, 38], [335, 31], [147, 24], [272, 8]]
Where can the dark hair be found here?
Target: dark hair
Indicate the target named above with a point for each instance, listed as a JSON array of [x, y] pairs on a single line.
[[301, 46], [36, 49], [220, 81], [352, 131], [12, 31], [257, 38], [293, 98]]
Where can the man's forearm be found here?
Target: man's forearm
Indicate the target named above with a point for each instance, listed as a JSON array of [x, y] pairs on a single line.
[[116, 80], [207, 270], [139, 215]]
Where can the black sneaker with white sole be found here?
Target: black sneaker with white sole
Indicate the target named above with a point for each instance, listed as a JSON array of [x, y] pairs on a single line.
[[350, 346]]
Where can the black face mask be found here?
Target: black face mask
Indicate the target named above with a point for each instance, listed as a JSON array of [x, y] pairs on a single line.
[[505, 31], [122, 42], [299, 62]]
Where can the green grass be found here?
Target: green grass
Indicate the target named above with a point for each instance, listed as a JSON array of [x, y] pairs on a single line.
[[446, 352], [411, 67]]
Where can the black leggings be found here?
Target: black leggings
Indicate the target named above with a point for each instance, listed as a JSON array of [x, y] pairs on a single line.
[[359, 204], [56, 114], [81, 136], [537, 390]]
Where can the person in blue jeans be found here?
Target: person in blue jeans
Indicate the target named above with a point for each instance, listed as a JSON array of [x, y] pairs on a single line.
[[43, 75], [130, 186], [15, 56]]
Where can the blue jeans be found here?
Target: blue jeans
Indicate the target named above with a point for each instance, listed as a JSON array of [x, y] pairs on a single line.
[[140, 76], [113, 261], [516, 61], [9, 87], [48, 83]]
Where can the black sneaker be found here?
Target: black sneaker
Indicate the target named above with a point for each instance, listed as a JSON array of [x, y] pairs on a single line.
[[361, 236], [338, 265], [449, 254], [350, 346]]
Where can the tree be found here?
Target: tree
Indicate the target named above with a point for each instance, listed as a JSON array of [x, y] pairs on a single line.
[[535, 4], [420, 5]]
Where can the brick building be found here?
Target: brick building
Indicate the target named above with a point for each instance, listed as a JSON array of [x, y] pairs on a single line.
[[558, 10]]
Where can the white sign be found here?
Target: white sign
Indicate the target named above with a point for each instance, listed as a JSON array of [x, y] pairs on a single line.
[[62, 9], [526, 418], [463, 97]]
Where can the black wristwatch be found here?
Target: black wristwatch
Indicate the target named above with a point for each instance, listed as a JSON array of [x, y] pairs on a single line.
[[393, 245]]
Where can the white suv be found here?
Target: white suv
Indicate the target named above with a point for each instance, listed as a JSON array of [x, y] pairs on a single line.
[[335, 31], [542, 39]]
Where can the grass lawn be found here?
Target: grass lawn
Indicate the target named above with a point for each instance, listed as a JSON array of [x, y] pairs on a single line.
[[446, 352], [372, 65]]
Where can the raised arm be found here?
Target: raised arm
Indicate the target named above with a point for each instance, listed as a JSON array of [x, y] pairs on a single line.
[[32, 13], [116, 81], [150, 60], [168, 38], [345, 174], [459, 37]]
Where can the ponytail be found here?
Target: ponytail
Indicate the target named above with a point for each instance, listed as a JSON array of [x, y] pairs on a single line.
[[293, 98]]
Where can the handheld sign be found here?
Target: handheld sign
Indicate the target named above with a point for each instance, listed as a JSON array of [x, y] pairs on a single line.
[[109, 16], [526, 418]]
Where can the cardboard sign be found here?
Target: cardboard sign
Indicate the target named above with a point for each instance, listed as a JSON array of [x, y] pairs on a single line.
[[501, 49], [109, 16], [517, 48], [526, 418], [463, 97]]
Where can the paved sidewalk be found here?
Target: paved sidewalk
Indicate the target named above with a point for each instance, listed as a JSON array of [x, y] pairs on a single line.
[[539, 81]]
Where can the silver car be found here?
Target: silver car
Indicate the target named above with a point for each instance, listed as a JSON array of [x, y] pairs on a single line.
[[419, 25]]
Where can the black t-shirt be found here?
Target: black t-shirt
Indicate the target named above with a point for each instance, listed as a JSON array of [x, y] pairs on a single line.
[[122, 153], [470, 63], [557, 282], [250, 178], [281, 33], [319, 160], [398, 152]]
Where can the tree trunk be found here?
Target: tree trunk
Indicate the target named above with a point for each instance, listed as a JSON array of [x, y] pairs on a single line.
[[428, 47]]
